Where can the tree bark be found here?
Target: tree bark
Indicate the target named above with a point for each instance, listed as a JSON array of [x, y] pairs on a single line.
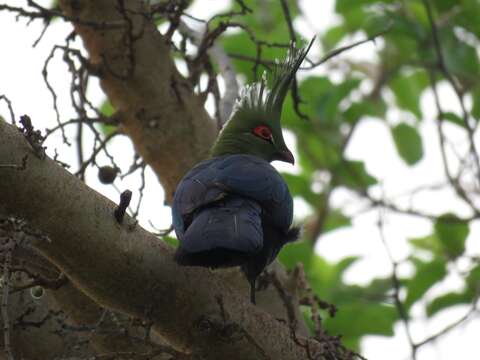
[[157, 107], [125, 268]]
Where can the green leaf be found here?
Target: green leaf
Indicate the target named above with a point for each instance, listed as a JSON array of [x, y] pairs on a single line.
[[321, 99], [353, 174], [454, 119], [420, 16], [408, 89], [267, 19], [452, 233], [377, 291], [335, 219], [327, 104], [267, 24], [355, 18], [448, 300], [473, 279], [461, 59], [476, 103], [344, 6], [430, 243], [427, 274], [444, 5], [326, 277], [358, 110], [107, 110], [408, 143], [300, 185], [350, 342], [333, 36], [297, 252], [358, 319], [468, 16], [320, 152], [170, 240], [241, 44]]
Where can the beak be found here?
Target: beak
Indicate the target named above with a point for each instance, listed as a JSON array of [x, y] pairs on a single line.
[[286, 156]]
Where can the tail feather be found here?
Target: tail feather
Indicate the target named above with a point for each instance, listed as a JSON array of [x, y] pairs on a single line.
[[214, 258], [293, 234]]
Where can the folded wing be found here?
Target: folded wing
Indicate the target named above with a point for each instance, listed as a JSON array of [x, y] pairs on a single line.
[[219, 206]]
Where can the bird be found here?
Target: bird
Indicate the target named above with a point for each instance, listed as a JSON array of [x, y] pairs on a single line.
[[234, 208]]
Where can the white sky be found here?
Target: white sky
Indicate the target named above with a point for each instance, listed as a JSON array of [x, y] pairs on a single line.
[[21, 80]]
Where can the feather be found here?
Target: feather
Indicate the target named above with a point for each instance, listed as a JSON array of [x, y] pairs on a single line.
[[257, 97]]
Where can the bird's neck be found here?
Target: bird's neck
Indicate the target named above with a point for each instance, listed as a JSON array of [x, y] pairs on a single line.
[[234, 143]]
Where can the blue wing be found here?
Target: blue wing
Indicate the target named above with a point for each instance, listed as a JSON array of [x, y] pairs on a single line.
[[220, 203]]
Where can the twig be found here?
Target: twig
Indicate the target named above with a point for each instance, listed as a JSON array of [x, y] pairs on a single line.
[[293, 38], [47, 14], [289, 306], [338, 51], [454, 83], [402, 312], [96, 151], [10, 108], [119, 212], [129, 39], [53, 93], [161, 232], [451, 326], [44, 30], [140, 192], [226, 70], [288, 19], [440, 119]]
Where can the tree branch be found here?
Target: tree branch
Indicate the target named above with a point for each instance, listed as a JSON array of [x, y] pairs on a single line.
[[130, 270], [157, 104]]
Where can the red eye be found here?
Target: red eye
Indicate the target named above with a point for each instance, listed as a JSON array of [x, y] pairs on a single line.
[[263, 132]]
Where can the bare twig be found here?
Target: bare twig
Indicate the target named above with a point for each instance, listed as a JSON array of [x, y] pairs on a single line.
[[53, 93], [47, 15], [342, 49], [472, 311], [455, 85], [440, 120], [402, 312], [119, 212], [226, 70], [10, 108], [288, 19]]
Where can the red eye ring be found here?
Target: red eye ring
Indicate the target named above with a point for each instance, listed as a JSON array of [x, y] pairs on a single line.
[[264, 132]]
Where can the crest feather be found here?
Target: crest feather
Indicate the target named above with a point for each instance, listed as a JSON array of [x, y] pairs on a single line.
[[257, 96]]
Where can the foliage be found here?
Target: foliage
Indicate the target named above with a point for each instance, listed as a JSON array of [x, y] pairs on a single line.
[[404, 69]]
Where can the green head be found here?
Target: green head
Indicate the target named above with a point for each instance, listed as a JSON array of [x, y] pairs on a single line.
[[254, 127]]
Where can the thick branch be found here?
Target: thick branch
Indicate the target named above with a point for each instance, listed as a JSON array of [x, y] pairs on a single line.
[[130, 270], [157, 105]]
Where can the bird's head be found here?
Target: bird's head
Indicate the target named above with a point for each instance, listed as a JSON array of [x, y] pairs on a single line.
[[254, 127]]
